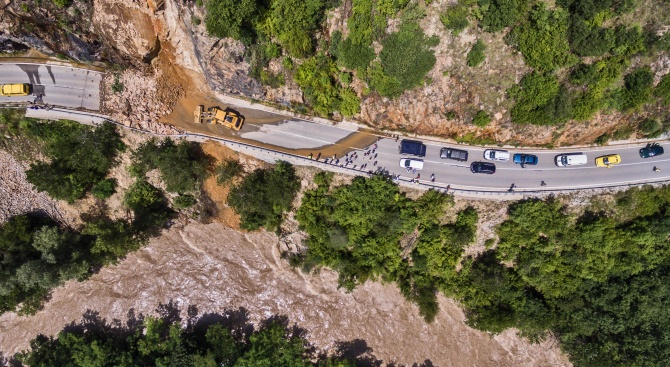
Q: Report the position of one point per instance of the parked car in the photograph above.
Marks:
(571, 159)
(411, 163)
(608, 160)
(14, 90)
(651, 150)
(496, 155)
(524, 159)
(412, 147)
(455, 154)
(483, 167)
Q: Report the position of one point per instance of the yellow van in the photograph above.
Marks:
(14, 90)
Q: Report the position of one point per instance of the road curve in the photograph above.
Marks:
(456, 175)
(59, 85)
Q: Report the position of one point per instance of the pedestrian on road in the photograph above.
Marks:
(375, 146)
(413, 171)
(375, 155)
(656, 169)
(374, 164)
(432, 177)
(310, 155)
(543, 183)
(418, 176)
(318, 156)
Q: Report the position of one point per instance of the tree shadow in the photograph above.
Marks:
(195, 328)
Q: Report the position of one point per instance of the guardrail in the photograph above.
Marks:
(271, 155)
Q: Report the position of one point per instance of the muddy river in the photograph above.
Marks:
(217, 268)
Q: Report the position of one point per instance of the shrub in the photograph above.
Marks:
(543, 39)
(183, 166)
(406, 58)
(317, 78)
(294, 22)
(232, 18)
(228, 170)
(663, 89)
(117, 86)
(355, 56)
(651, 127)
(264, 195)
(637, 88)
(499, 14)
(62, 3)
(455, 18)
(149, 206)
(351, 104)
(540, 100)
(481, 119)
(587, 39)
(104, 189)
(184, 201)
(476, 55)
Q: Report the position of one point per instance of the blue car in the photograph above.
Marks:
(524, 159)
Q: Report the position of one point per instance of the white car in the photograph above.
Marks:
(496, 155)
(411, 163)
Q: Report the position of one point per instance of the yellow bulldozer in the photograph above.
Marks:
(215, 115)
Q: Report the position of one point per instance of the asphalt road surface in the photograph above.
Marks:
(632, 168)
(59, 85)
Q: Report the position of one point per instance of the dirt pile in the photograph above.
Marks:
(140, 100)
(217, 268)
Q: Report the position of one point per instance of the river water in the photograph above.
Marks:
(217, 268)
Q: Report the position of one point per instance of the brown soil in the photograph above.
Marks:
(216, 268)
(219, 193)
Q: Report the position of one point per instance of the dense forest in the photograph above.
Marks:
(585, 56)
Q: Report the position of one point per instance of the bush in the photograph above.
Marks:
(264, 195)
(663, 89)
(587, 39)
(184, 201)
(104, 189)
(317, 77)
(651, 128)
(637, 88)
(406, 58)
(183, 166)
(455, 18)
(476, 55)
(232, 18)
(228, 170)
(481, 119)
(355, 56)
(62, 3)
(149, 206)
(540, 100)
(500, 14)
(543, 39)
(351, 104)
(293, 23)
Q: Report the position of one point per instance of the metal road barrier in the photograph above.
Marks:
(271, 155)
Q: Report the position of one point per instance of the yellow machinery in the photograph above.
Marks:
(215, 115)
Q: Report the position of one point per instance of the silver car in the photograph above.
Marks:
(496, 155)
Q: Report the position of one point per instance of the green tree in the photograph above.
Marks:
(543, 39)
(232, 18)
(264, 195)
(663, 89)
(79, 157)
(294, 22)
(227, 170)
(455, 18)
(476, 55)
(481, 119)
(500, 14)
(183, 166)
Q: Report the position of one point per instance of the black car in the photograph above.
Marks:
(455, 154)
(651, 150)
(412, 147)
(483, 167)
